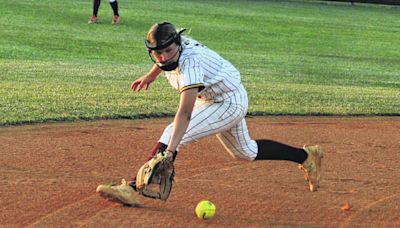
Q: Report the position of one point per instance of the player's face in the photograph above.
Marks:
(166, 55)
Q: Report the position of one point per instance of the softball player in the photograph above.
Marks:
(213, 101)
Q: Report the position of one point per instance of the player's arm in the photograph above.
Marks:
(154, 72)
(182, 117)
(147, 79)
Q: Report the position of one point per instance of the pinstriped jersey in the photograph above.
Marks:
(201, 67)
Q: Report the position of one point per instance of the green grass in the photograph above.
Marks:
(296, 58)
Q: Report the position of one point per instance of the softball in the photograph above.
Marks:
(205, 209)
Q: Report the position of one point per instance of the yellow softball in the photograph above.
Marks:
(205, 209)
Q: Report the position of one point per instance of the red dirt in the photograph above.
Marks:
(49, 174)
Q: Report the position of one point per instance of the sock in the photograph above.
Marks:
(114, 6)
(96, 5)
(271, 150)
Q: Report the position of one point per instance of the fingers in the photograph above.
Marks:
(138, 85)
(134, 85)
(141, 85)
(141, 82)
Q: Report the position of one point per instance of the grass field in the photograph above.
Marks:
(296, 58)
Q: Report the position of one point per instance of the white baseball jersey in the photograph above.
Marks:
(221, 106)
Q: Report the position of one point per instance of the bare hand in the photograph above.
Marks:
(141, 82)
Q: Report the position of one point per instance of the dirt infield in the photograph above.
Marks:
(49, 174)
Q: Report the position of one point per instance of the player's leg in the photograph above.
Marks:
(114, 6)
(272, 150)
(96, 5)
(309, 158)
(238, 143)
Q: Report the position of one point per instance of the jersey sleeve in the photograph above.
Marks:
(191, 75)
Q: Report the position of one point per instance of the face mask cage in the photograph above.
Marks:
(168, 61)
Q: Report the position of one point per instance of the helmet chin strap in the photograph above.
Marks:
(169, 65)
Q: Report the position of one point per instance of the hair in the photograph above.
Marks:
(158, 34)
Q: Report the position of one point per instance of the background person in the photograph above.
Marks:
(96, 6)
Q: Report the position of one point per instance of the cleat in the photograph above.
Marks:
(304, 171)
(115, 19)
(92, 20)
(312, 166)
(123, 194)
